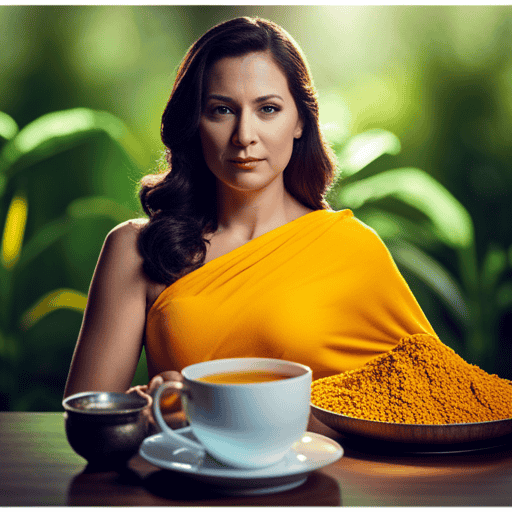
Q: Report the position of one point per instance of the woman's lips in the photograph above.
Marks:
(245, 164)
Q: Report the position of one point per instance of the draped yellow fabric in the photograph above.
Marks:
(322, 290)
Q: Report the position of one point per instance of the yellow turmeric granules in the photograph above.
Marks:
(420, 381)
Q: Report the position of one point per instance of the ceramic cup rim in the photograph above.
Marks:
(194, 372)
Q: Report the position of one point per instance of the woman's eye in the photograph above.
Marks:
(269, 109)
(221, 110)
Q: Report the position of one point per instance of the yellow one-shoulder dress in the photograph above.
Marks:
(322, 290)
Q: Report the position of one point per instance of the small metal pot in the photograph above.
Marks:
(105, 428)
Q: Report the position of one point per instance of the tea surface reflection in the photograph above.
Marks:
(243, 377)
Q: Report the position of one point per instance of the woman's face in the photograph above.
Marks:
(249, 122)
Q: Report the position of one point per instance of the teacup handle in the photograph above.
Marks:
(180, 388)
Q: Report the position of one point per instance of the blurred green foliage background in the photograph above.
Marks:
(416, 100)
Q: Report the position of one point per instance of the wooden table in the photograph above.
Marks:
(38, 467)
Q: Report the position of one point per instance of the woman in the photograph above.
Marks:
(241, 256)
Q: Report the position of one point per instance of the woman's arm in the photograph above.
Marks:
(112, 333)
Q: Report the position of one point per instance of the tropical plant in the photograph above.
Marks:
(417, 217)
(43, 138)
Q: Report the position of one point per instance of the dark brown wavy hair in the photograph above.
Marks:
(181, 200)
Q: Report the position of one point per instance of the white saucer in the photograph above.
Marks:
(312, 452)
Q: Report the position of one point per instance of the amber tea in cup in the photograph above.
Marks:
(246, 377)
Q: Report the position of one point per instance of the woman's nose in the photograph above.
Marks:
(245, 131)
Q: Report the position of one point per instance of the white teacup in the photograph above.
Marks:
(243, 425)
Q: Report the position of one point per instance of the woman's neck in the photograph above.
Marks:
(247, 215)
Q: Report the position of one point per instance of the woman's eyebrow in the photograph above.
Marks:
(227, 99)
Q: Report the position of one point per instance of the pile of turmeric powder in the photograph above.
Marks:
(420, 381)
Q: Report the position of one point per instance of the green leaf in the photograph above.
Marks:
(434, 275)
(62, 298)
(8, 126)
(85, 207)
(451, 222)
(95, 206)
(57, 131)
(390, 226)
(493, 266)
(45, 236)
(363, 149)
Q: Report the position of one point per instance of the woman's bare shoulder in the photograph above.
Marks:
(128, 229)
(121, 243)
(120, 247)
(125, 235)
